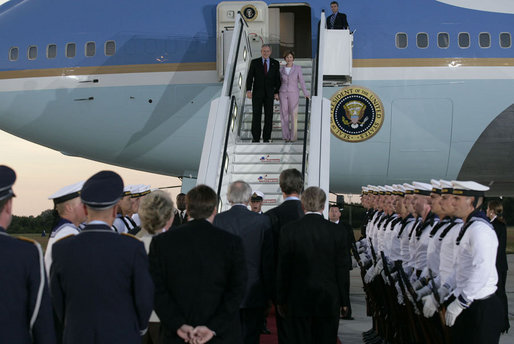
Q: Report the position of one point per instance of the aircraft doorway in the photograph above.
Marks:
(290, 29)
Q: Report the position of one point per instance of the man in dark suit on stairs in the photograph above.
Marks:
(262, 85)
(255, 231)
(312, 272)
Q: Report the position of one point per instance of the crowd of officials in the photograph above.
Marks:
(173, 275)
(433, 263)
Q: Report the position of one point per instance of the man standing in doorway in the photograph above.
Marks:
(262, 85)
(336, 21)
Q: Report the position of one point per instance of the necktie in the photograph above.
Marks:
(182, 215)
(265, 67)
(332, 21)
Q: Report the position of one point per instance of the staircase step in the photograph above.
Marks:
(269, 148)
(269, 168)
(257, 179)
(276, 125)
(261, 159)
(247, 117)
(276, 134)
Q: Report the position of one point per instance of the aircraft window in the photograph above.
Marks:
(401, 40)
(443, 40)
(110, 48)
(422, 40)
(71, 50)
(484, 39)
(464, 40)
(505, 40)
(90, 49)
(51, 51)
(13, 54)
(32, 52)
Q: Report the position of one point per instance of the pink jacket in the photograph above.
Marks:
(290, 82)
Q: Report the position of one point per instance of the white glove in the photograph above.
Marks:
(399, 295)
(443, 292)
(452, 312)
(354, 263)
(423, 292)
(370, 275)
(430, 305)
(379, 267)
(394, 276)
(417, 285)
(384, 277)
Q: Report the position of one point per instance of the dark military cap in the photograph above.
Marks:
(103, 190)
(7, 179)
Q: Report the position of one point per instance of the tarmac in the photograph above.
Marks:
(350, 331)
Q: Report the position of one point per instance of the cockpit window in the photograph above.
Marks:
(13, 54)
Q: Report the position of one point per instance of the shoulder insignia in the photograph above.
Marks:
(131, 236)
(64, 237)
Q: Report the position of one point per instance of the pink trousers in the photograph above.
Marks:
(289, 114)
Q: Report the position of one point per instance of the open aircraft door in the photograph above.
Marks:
(256, 15)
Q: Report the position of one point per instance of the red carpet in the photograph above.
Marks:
(272, 326)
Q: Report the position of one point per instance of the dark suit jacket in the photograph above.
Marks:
(200, 275)
(177, 221)
(501, 255)
(312, 267)
(21, 281)
(280, 216)
(261, 85)
(340, 24)
(101, 288)
(255, 231)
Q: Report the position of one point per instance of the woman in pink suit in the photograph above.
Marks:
(289, 94)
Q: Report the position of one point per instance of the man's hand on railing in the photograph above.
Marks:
(249, 94)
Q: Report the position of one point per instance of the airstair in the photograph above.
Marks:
(228, 153)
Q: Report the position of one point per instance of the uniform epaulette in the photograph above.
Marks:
(64, 237)
(130, 235)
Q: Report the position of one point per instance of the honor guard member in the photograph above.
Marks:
(26, 309)
(475, 313)
(136, 198)
(69, 208)
(120, 224)
(101, 287)
(256, 201)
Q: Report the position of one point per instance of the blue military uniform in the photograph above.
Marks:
(25, 307)
(101, 286)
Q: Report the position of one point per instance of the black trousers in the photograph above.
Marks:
(479, 324)
(313, 330)
(283, 331)
(251, 324)
(257, 103)
(502, 279)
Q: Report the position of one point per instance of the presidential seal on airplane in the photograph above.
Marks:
(356, 114)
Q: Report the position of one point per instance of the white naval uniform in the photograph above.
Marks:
(404, 239)
(420, 256)
(395, 242)
(65, 229)
(447, 255)
(476, 275)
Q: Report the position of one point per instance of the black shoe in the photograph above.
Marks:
(348, 317)
(265, 141)
(255, 141)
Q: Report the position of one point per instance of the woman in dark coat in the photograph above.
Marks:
(495, 213)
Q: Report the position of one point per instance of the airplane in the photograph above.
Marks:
(131, 83)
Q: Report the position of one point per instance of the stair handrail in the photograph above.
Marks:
(225, 109)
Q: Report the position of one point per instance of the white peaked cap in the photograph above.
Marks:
(66, 193)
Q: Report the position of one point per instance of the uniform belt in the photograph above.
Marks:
(485, 298)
